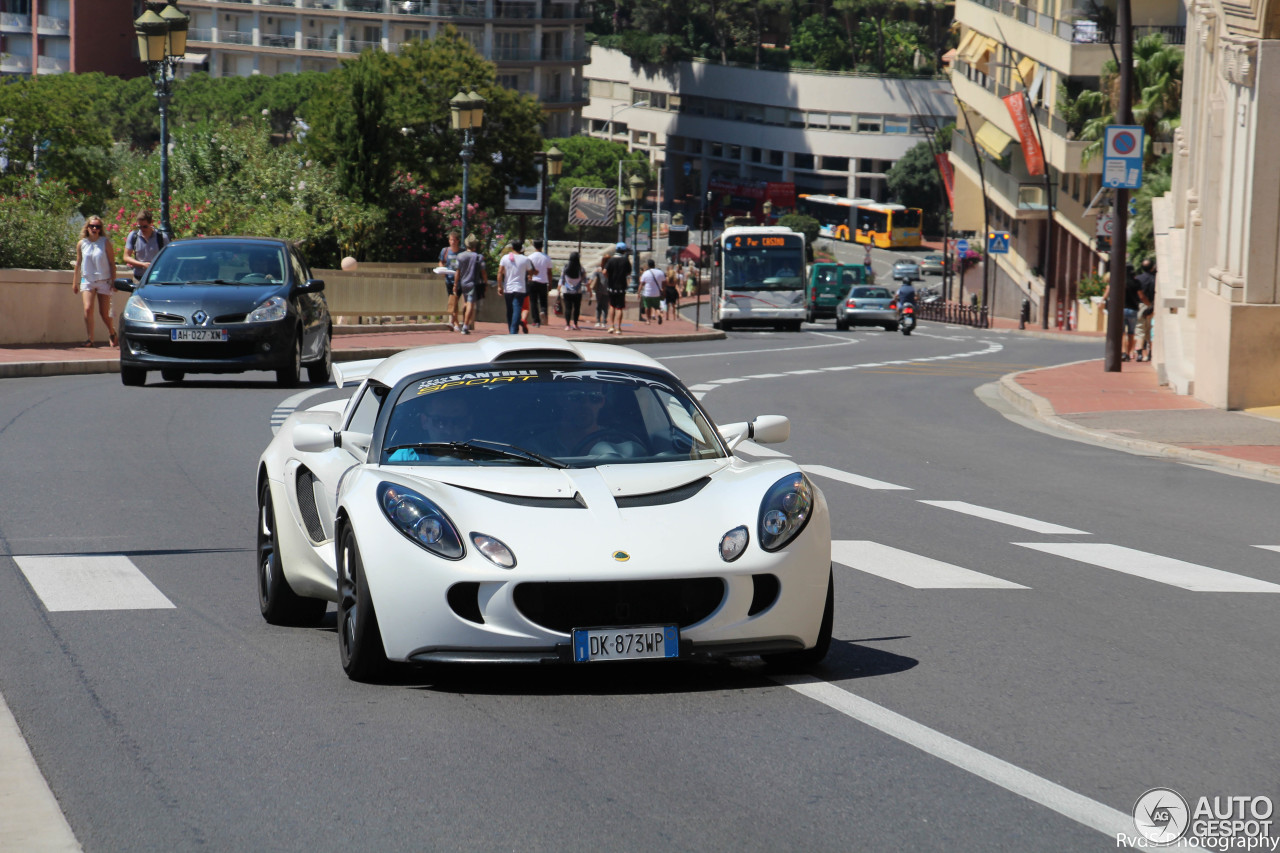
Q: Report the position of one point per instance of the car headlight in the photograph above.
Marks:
(421, 520)
(275, 308)
(496, 552)
(785, 511)
(734, 543)
(138, 311)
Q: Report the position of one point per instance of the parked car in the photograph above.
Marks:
(868, 305)
(226, 305)
(933, 265)
(828, 284)
(906, 270)
(429, 507)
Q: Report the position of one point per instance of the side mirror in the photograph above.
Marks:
(125, 284)
(771, 429)
(312, 285)
(314, 438)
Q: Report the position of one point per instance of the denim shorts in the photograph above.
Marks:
(1130, 320)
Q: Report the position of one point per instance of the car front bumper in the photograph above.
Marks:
(249, 346)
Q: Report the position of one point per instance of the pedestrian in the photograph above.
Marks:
(652, 283)
(470, 282)
(598, 291)
(618, 273)
(514, 270)
(95, 264)
(671, 295)
(1147, 296)
(539, 284)
(570, 287)
(692, 286)
(1131, 305)
(866, 261)
(449, 261)
(143, 244)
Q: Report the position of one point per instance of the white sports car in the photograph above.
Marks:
(529, 499)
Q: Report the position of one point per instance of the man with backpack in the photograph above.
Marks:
(142, 245)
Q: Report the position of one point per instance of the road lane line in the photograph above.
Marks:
(1009, 518)
(30, 818)
(908, 569)
(73, 582)
(750, 448)
(1153, 567)
(851, 479)
(1012, 778)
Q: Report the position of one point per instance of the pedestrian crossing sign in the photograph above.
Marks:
(998, 242)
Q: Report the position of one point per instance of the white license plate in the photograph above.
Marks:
(198, 335)
(653, 641)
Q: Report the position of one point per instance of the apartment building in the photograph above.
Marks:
(538, 46)
(57, 36)
(827, 133)
(1035, 47)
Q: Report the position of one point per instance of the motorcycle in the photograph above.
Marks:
(906, 318)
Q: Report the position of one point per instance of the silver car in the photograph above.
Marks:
(908, 270)
(933, 265)
(868, 305)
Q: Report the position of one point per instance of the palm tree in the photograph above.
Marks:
(1157, 75)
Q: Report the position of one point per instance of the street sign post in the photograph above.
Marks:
(1122, 156)
(962, 247)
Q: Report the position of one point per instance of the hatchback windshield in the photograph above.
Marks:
(558, 418)
(223, 263)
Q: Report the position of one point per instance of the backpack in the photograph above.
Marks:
(131, 243)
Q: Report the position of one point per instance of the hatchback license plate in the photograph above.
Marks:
(198, 335)
(653, 641)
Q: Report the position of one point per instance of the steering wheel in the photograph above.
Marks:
(611, 436)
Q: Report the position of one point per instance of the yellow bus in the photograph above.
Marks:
(888, 226)
(835, 214)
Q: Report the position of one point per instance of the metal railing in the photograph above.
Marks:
(324, 43)
(15, 62)
(277, 39)
(53, 63)
(955, 314)
(46, 24)
(357, 46)
(13, 21)
(1080, 31)
(234, 37)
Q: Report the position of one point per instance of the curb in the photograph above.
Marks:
(1038, 408)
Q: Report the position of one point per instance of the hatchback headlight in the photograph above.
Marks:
(138, 311)
(275, 308)
(421, 520)
(785, 511)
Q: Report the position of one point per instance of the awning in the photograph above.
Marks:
(1026, 71)
(966, 44)
(982, 53)
(994, 140)
(195, 58)
(691, 252)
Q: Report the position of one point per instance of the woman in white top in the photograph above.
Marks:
(95, 265)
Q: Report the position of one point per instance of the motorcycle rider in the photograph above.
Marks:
(906, 293)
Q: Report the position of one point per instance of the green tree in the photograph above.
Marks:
(1157, 77)
(36, 220)
(819, 41)
(806, 225)
(914, 181)
(592, 163)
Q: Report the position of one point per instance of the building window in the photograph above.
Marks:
(600, 89)
(775, 158)
(866, 165)
(735, 152)
(754, 113)
(675, 143)
(717, 150)
(804, 161)
(695, 146)
(841, 121)
(818, 121)
(869, 124)
(896, 124)
(417, 35)
(835, 164)
(755, 155)
(795, 118)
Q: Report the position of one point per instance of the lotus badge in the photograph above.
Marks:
(621, 556)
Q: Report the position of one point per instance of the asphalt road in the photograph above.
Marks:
(1024, 640)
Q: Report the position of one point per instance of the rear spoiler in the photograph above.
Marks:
(353, 372)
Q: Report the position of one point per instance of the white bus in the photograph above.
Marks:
(837, 215)
(759, 278)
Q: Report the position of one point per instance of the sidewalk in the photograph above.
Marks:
(1126, 409)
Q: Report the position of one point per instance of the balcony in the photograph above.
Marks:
(357, 46)
(320, 43)
(52, 65)
(13, 23)
(200, 34)
(1026, 200)
(572, 96)
(515, 11)
(277, 39)
(15, 63)
(49, 26)
(235, 37)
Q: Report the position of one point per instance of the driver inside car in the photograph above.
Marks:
(441, 417)
(581, 432)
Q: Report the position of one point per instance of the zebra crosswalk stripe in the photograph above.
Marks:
(910, 569)
(1153, 567)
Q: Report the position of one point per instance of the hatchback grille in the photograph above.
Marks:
(563, 606)
(217, 350)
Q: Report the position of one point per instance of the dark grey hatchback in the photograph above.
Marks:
(226, 305)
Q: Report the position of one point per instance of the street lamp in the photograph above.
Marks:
(613, 112)
(636, 188)
(162, 42)
(468, 113)
(553, 161)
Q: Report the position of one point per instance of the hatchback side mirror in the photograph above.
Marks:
(312, 285)
(125, 284)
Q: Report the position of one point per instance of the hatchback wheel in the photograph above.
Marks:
(318, 371)
(287, 376)
(133, 376)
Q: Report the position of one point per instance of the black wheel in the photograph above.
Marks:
(359, 640)
(891, 327)
(287, 376)
(133, 376)
(173, 375)
(725, 325)
(279, 604)
(809, 315)
(318, 371)
(795, 325)
(806, 658)
(842, 326)
(906, 330)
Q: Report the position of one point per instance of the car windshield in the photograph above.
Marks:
(218, 263)
(870, 293)
(546, 417)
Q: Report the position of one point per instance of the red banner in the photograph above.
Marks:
(1031, 152)
(948, 178)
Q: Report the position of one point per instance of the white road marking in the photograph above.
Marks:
(704, 387)
(842, 343)
(30, 817)
(752, 449)
(1012, 778)
(289, 405)
(1153, 567)
(851, 479)
(1268, 547)
(840, 338)
(910, 569)
(73, 582)
(1032, 524)
(766, 376)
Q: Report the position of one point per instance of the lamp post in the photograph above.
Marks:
(162, 41)
(467, 110)
(636, 188)
(552, 163)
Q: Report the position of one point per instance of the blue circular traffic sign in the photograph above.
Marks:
(1124, 142)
